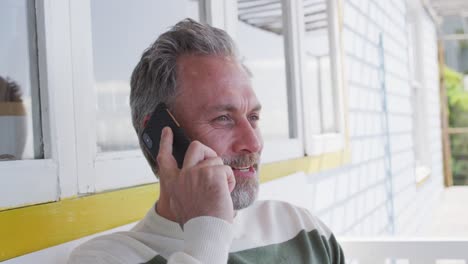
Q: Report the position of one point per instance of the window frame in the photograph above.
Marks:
(422, 167)
(317, 142)
(307, 140)
(48, 179)
(275, 150)
(102, 171)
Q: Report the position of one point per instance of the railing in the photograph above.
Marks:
(408, 251)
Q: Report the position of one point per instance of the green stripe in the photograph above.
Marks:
(157, 260)
(305, 247)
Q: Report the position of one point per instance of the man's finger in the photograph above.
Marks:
(231, 179)
(197, 152)
(216, 161)
(165, 159)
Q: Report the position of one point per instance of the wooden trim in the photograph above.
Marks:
(448, 177)
(457, 130)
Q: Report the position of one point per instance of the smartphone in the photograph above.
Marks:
(151, 135)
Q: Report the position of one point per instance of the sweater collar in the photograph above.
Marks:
(162, 226)
(165, 227)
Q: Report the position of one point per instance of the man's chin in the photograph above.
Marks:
(245, 192)
(239, 205)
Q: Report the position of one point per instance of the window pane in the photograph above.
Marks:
(456, 55)
(20, 127)
(122, 30)
(459, 151)
(318, 68)
(261, 43)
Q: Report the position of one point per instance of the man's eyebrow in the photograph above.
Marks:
(257, 108)
(231, 108)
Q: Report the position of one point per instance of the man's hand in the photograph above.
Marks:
(202, 187)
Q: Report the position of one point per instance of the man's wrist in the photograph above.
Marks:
(208, 239)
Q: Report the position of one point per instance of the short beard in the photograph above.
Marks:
(246, 189)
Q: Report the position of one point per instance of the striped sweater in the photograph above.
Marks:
(266, 232)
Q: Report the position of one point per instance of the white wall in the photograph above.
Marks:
(367, 197)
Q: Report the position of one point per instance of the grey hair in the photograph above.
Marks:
(154, 79)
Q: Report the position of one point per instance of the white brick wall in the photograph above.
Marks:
(360, 198)
(369, 197)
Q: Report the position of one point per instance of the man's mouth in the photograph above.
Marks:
(243, 169)
(243, 166)
(248, 171)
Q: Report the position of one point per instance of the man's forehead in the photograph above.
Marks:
(212, 76)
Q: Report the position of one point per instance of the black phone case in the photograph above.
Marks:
(151, 134)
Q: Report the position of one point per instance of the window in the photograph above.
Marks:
(293, 49)
(258, 25)
(110, 38)
(420, 116)
(117, 47)
(30, 158)
(262, 34)
(322, 77)
(20, 121)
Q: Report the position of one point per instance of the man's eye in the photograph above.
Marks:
(222, 118)
(254, 118)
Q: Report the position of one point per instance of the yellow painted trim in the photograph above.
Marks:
(28, 229)
(308, 165)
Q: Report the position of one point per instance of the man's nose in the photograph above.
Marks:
(248, 138)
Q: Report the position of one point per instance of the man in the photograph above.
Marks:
(206, 211)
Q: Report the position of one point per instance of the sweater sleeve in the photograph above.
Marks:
(207, 240)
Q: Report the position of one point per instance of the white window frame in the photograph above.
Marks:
(316, 141)
(422, 155)
(97, 171)
(276, 149)
(100, 171)
(43, 180)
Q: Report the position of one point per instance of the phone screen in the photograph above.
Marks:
(151, 135)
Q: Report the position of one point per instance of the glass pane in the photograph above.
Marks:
(318, 68)
(456, 85)
(456, 55)
(20, 126)
(260, 24)
(453, 25)
(122, 30)
(459, 150)
(327, 96)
